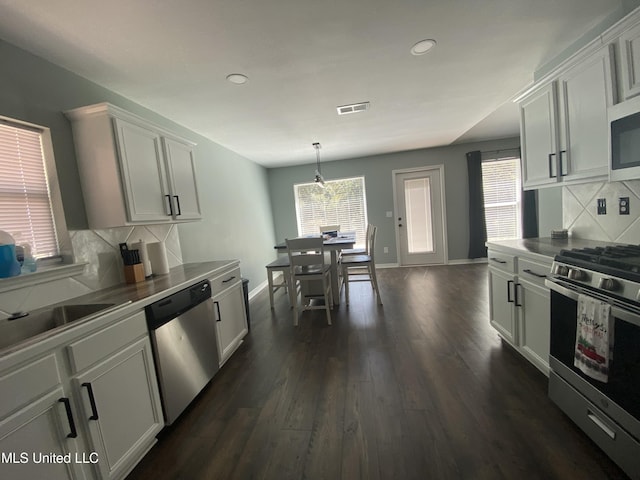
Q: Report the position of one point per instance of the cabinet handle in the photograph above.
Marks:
(217, 304)
(515, 291)
(562, 153)
(170, 214)
(178, 205)
(497, 260)
(551, 175)
(92, 401)
(72, 425)
(531, 272)
(509, 283)
(229, 279)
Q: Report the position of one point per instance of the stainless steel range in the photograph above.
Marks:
(595, 347)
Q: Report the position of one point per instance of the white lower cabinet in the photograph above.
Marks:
(37, 434)
(534, 323)
(229, 308)
(120, 407)
(502, 311)
(519, 304)
(89, 408)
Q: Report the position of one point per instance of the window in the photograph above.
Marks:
(341, 202)
(26, 207)
(502, 198)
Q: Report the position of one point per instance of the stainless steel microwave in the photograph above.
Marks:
(624, 140)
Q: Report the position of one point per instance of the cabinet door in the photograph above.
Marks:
(231, 320)
(182, 177)
(121, 406)
(501, 305)
(538, 136)
(143, 173)
(534, 319)
(586, 91)
(629, 44)
(42, 428)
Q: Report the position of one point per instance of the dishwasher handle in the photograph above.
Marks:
(172, 306)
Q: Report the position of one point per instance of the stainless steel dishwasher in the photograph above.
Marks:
(183, 335)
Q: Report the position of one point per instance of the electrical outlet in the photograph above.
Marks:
(624, 206)
(386, 249)
(389, 214)
(602, 206)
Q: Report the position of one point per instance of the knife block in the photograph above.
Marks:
(134, 273)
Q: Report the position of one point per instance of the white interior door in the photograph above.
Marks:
(419, 202)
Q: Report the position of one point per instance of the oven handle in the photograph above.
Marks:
(627, 314)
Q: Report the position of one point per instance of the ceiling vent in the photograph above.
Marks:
(353, 108)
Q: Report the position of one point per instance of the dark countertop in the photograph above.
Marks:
(545, 247)
(124, 298)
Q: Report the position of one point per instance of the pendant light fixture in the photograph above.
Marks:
(319, 179)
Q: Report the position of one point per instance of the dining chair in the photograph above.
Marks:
(281, 264)
(361, 250)
(308, 264)
(361, 267)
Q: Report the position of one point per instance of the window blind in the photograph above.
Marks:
(502, 197)
(25, 202)
(342, 202)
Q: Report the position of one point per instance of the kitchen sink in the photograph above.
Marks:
(20, 327)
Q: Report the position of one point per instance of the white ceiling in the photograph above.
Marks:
(306, 57)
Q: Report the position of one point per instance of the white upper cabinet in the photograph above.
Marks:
(132, 172)
(586, 91)
(143, 172)
(182, 179)
(564, 126)
(538, 137)
(629, 62)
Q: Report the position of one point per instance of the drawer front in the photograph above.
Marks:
(616, 442)
(99, 345)
(502, 261)
(533, 272)
(224, 281)
(26, 384)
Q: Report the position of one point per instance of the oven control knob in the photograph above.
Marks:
(576, 274)
(608, 284)
(561, 270)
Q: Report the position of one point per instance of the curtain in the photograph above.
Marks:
(530, 214)
(477, 225)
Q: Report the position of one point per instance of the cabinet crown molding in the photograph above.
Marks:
(103, 108)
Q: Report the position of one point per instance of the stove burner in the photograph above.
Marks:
(620, 260)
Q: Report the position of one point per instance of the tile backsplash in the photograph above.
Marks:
(580, 215)
(99, 248)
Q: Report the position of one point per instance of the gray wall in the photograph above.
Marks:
(234, 191)
(377, 172)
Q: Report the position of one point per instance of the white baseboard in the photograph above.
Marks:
(258, 289)
(465, 261)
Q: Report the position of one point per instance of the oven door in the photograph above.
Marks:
(620, 396)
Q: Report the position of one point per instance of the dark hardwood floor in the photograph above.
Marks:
(420, 388)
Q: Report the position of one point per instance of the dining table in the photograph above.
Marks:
(333, 245)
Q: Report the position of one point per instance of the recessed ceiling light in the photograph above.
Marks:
(423, 46)
(237, 78)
